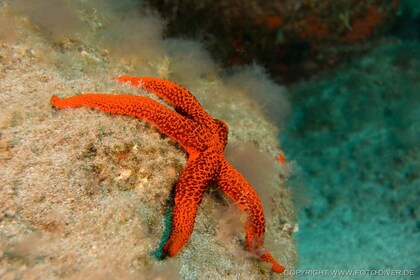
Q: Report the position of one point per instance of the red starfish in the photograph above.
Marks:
(204, 139)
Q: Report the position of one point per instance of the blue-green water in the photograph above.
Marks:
(355, 136)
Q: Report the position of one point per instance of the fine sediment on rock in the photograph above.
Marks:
(85, 194)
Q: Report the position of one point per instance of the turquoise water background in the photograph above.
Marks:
(354, 136)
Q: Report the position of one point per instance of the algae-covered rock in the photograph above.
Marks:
(85, 194)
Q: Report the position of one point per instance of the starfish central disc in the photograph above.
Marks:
(204, 139)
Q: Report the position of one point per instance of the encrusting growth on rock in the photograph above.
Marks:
(204, 139)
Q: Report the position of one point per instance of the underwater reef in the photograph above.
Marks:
(293, 39)
(333, 154)
(84, 194)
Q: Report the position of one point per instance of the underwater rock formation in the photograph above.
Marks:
(87, 195)
(292, 38)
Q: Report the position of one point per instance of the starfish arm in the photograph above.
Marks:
(235, 186)
(168, 122)
(177, 96)
(187, 198)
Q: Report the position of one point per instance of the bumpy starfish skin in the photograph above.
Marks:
(204, 139)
